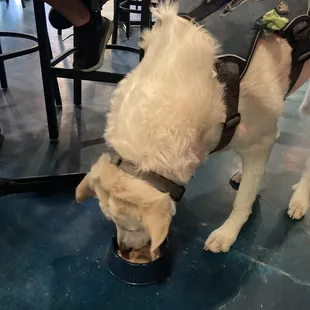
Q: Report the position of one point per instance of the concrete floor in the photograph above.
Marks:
(52, 249)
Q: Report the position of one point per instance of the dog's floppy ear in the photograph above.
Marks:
(156, 218)
(122, 185)
(84, 189)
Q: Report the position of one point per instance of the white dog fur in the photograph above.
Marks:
(166, 117)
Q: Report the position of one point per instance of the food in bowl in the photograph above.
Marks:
(141, 256)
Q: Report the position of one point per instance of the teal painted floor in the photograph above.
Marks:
(52, 249)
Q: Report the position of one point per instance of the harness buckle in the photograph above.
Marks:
(232, 122)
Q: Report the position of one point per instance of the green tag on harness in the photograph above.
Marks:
(271, 22)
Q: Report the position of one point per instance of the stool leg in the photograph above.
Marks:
(77, 91)
(146, 19)
(56, 92)
(3, 79)
(77, 84)
(115, 21)
(128, 22)
(44, 52)
(146, 16)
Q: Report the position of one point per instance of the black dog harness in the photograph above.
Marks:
(236, 25)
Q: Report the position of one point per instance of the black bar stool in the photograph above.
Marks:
(122, 10)
(50, 73)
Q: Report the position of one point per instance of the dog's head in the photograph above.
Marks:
(141, 213)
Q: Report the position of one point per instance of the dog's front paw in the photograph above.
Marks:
(297, 208)
(299, 203)
(220, 240)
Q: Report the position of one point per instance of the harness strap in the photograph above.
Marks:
(297, 33)
(229, 69)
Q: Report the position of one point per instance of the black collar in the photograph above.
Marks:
(176, 191)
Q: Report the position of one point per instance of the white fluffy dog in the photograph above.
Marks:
(166, 117)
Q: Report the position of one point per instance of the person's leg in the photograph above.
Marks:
(73, 10)
(91, 30)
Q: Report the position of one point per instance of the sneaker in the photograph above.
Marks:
(90, 41)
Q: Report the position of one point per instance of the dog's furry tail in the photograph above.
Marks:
(166, 10)
(304, 109)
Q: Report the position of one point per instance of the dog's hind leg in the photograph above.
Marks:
(299, 203)
(254, 163)
(304, 109)
(235, 180)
